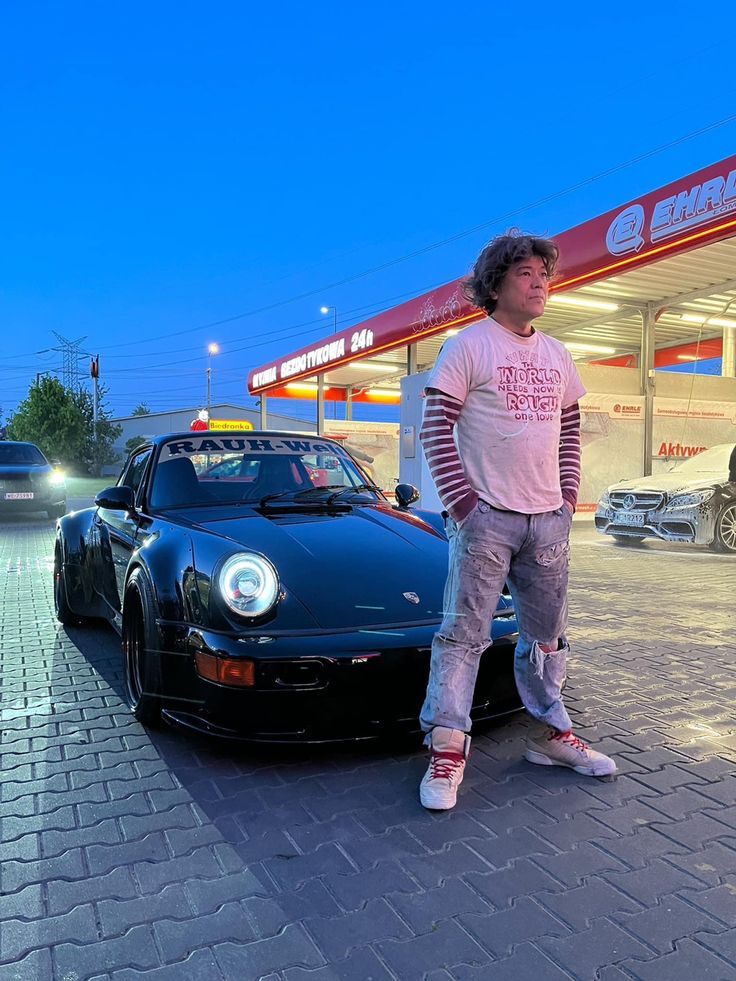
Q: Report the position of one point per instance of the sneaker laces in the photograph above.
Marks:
(569, 739)
(443, 766)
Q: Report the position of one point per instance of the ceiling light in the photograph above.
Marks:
(687, 357)
(582, 301)
(700, 318)
(384, 391)
(375, 365)
(589, 348)
(304, 386)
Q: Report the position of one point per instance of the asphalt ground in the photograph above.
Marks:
(132, 854)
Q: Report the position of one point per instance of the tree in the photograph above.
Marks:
(133, 443)
(60, 421)
(141, 410)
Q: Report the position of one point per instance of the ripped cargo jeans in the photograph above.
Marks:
(491, 547)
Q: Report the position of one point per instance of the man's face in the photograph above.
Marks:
(523, 292)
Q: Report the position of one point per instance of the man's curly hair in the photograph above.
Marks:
(497, 258)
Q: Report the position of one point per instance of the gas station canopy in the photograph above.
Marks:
(648, 284)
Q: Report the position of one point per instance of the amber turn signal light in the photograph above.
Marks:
(238, 673)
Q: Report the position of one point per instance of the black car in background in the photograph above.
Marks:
(28, 482)
(266, 589)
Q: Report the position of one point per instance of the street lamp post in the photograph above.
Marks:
(325, 310)
(211, 349)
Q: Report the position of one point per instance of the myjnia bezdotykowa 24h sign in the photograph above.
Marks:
(688, 209)
(692, 211)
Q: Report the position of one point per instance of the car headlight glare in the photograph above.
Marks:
(690, 500)
(249, 584)
(56, 478)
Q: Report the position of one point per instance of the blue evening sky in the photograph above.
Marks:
(166, 166)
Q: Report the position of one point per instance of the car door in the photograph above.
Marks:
(118, 529)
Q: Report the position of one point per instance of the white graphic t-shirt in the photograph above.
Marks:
(513, 390)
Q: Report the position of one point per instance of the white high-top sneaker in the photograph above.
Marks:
(448, 753)
(565, 749)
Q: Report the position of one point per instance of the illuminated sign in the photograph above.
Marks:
(678, 212)
(230, 425)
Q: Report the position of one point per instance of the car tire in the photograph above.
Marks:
(628, 539)
(141, 664)
(64, 613)
(725, 536)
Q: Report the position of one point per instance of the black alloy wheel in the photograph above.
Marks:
(141, 664)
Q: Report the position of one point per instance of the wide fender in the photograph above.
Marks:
(166, 556)
(79, 546)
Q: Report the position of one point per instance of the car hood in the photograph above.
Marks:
(669, 483)
(349, 568)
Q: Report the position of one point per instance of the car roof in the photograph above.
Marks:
(18, 442)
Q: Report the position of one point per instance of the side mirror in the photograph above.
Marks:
(119, 498)
(406, 494)
(55, 463)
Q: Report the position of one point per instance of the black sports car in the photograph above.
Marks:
(28, 482)
(264, 590)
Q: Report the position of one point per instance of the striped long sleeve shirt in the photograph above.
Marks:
(441, 413)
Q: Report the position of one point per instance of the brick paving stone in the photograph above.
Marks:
(719, 901)
(268, 915)
(199, 966)
(445, 946)
(291, 948)
(596, 898)
(337, 935)
(421, 910)
(77, 960)
(206, 895)
(353, 891)
(583, 954)
(62, 896)
(36, 966)
(711, 864)
(522, 878)
(20, 937)
(362, 965)
(500, 931)
(432, 870)
(671, 920)
(526, 963)
(689, 960)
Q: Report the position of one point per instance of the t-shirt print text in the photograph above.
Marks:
(533, 391)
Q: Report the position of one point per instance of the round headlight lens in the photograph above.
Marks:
(249, 584)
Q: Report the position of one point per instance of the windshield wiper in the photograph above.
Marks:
(355, 489)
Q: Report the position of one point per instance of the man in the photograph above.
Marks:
(501, 433)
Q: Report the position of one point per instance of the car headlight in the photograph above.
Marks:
(249, 584)
(605, 500)
(56, 478)
(689, 500)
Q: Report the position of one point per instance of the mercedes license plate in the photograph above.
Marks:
(630, 517)
(19, 496)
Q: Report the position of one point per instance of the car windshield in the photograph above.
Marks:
(23, 454)
(714, 460)
(255, 469)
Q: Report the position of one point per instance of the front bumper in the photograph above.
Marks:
(321, 687)
(694, 524)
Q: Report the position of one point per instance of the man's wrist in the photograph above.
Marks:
(463, 507)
